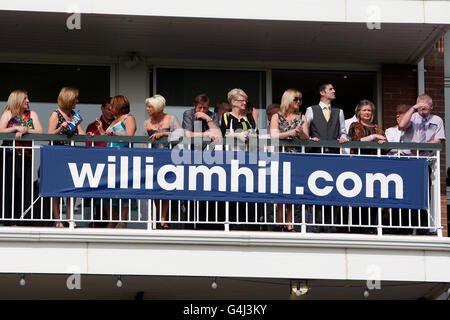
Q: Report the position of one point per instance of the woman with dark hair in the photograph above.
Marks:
(365, 129)
(17, 117)
(58, 123)
(123, 125)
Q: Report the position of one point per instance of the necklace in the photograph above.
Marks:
(157, 122)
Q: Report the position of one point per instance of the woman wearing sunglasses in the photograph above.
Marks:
(289, 124)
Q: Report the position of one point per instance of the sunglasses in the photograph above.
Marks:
(297, 99)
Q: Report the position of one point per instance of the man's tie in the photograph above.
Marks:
(327, 113)
(423, 131)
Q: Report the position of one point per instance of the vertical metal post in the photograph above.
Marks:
(436, 181)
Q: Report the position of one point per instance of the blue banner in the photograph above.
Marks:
(139, 173)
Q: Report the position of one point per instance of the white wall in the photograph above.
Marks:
(133, 82)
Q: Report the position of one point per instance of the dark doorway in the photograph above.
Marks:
(180, 86)
(44, 81)
(350, 87)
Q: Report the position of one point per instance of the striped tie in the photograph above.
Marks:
(327, 114)
(423, 131)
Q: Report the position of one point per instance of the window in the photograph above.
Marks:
(351, 87)
(44, 81)
(181, 86)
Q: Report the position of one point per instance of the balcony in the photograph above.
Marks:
(221, 238)
(191, 214)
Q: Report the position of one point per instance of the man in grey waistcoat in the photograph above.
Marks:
(325, 122)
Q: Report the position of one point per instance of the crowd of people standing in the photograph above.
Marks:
(236, 118)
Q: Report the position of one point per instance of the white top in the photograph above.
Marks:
(394, 134)
(349, 122)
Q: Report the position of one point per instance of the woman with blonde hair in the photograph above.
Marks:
(365, 129)
(239, 122)
(160, 125)
(58, 123)
(17, 117)
(289, 124)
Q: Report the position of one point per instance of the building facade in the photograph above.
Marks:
(385, 51)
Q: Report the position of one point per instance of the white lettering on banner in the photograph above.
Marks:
(207, 176)
(320, 182)
(384, 184)
(86, 170)
(111, 172)
(124, 172)
(356, 181)
(274, 177)
(262, 173)
(348, 175)
(236, 172)
(313, 186)
(286, 177)
(178, 184)
(148, 173)
(136, 173)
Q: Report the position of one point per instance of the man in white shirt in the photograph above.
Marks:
(348, 122)
(326, 122)
(395, 134)
(425, 127)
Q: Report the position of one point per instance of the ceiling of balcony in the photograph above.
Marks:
(94, 287)
(216, 39)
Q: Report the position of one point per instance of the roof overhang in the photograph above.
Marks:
(343, 40)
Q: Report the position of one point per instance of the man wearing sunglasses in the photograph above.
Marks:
(326, 122)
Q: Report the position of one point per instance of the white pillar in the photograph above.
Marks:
(133, 82)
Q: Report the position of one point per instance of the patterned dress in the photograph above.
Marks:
(27, 121)
(61, 120)
(284, 125)
(357, 131)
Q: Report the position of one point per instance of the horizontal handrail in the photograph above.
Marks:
(188, 141)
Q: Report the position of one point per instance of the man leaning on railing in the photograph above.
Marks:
(423, 126)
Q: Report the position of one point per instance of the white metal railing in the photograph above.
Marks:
(21, 203)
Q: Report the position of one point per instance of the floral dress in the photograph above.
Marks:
(284, 125)
(61, 120)
(27, 121)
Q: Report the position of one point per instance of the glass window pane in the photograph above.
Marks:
(180, 86)
(43, 81)
(351, 87)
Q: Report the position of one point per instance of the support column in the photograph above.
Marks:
(133, 82)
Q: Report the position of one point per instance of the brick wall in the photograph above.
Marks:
(399, 85)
